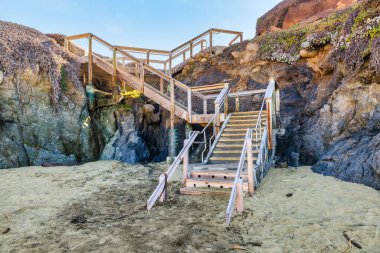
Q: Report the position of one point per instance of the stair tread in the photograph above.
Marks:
(232, 151)
(204, 191)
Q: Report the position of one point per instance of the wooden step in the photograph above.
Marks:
(232, 159)
(242, 125)
(244, 121)
(217, 174)
(212, 183)
(247, 113)
(204, 191)
(231, 151)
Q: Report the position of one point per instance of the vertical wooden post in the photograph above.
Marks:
(184, 56)
(210, 41)
(269, 121)
(137, 71)
(142, 72)
(161, 85)
(217, 118)
(90, 59)
(189, 106)
(148, 57)
(84, 78)
(185, 163)
(170, 63)
(237, 104)
(226, 102)
(239, 196)
(172, 104)
(163, 194)
(241, 37)
(205, 106)
(66, 44)
(202, 46)
(165, 67)
(114, 64)
(191, 49)
(251, 186)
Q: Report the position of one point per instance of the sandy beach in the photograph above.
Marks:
(100, 207)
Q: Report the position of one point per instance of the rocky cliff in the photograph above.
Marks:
(44, 116)
(329, 76)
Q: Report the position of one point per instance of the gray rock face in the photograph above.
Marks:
(355, 159)
(32, 132)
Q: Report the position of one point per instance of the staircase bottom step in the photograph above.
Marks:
(204, 191)
(212, 183)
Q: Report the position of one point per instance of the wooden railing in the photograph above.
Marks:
(266, 150)
(171, 61)
(160, 191)
(189, 103)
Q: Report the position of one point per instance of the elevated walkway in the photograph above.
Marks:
(152, 77)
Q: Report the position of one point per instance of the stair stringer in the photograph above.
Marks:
(217, 138)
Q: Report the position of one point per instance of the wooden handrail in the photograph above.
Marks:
(144, 50)
(161, 187)
(235, 190)
(78, 36)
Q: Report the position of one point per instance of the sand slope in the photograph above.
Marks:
(100, 207)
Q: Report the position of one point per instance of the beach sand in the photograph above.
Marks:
(100, 207)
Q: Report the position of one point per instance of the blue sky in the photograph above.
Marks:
(161, 24)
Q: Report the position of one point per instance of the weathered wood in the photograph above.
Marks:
(78, 36)
(209, 87)
(189, 106)
(163, 180)
(251, 186)
(161, 84)
(204, 106)
(144, 50)
(105, 43)
(237, 104)
(269, 121)
(148, 57)
(142, 77)
(239, 196)
(211, 42)
(172, 104)
(89, 59)
(233, 40)
(185, 165)
(191, 49)
(114, 64)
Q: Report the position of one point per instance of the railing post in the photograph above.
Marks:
(66, 44)
(239, 196)
(161, 85)
(237, 104)
(251, 186)
(202, 46)
(185, 163)
(148, 57)
(241, 37)
(211, 41)
(205, 106)
(170, 63)
(269, 121)
(90, 59)
(114, 64)
(184, 56)
(163, 194)
(189, 106)
(172, 104)
(191, 49)
(141, 68)
(217, 118)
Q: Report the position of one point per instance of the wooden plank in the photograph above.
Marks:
(239, 196)
(208, 87)
(187, 42)
(185, 165)
(172, 103)
(105, 43)
(269, 122)
(90, 59)
(189, 106)
(144, 50)
(251, 187)
(211, 45)
(233, 40)
(78, 36)
(226, 31)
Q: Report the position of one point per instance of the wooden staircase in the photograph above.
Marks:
(219, 171)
